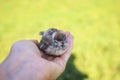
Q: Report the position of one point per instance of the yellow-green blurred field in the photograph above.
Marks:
(95, 25)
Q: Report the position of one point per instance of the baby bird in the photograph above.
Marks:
(53, 42)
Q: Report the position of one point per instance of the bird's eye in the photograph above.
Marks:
(50, 32)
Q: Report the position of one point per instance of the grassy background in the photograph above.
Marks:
(95, 25)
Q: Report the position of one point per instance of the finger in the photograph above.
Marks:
(62, 60)
(66, 56)
(34, 41)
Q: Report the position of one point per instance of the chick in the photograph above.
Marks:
(53, 42)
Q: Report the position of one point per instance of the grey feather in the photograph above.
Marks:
(53, 42)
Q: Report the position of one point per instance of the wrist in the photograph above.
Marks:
(6, 73)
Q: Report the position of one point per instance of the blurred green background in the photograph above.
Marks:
(95, 25)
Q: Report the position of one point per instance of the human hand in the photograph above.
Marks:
(27, 62)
